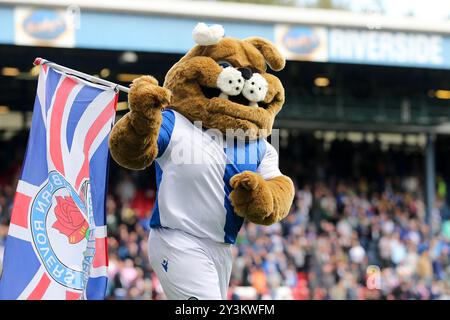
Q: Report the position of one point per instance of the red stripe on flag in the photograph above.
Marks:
(55, 123)
(72, 295)
(40, 289)
(102, 119)
(101, 253)
(44, 67)
(19, 215)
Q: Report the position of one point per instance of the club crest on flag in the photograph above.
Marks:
(59, 216)
(57, 246)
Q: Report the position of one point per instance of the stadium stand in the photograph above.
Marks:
(356, 205)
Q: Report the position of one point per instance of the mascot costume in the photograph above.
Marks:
(205, 129)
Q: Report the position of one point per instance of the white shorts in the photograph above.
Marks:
(189, 267)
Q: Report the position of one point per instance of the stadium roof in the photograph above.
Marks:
(166, 26)
(373, 101)
(251, 13)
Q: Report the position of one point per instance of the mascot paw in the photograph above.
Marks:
(251, 198)
(146, 94)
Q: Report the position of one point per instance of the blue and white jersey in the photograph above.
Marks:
(193, 172)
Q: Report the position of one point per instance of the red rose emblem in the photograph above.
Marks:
(69, 220)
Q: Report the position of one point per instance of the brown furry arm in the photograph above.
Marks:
(133, 139)
(261, 201)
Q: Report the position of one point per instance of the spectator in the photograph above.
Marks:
(345, 217)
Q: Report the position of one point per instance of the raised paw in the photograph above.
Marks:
(146, 94)
(247, 180)
(251, 198)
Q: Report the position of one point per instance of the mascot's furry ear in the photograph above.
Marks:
(273, 57)
(207, 35)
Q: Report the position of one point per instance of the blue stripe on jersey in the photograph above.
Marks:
(241, 157)
(165, 133)
(155, 221)
(168, 122)
(24, 263)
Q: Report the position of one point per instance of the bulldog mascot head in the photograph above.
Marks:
(223, 83)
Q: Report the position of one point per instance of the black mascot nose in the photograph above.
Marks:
(246, 73)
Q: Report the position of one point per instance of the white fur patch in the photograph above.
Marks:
(207, 35)
(230, 81)
(255, 88)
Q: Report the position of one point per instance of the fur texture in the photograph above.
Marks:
(261, 201)
(133, 140)
(199, 70)
(207, 35)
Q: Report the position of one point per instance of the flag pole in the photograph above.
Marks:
(41, 61)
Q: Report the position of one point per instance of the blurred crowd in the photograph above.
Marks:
(356, 229)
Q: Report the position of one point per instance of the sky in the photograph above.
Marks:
(424, 9)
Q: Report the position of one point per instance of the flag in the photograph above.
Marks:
(56, 246)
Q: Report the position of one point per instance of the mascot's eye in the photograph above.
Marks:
(224, 64)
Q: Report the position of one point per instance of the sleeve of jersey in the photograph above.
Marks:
(165, 132)
(268, 167)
